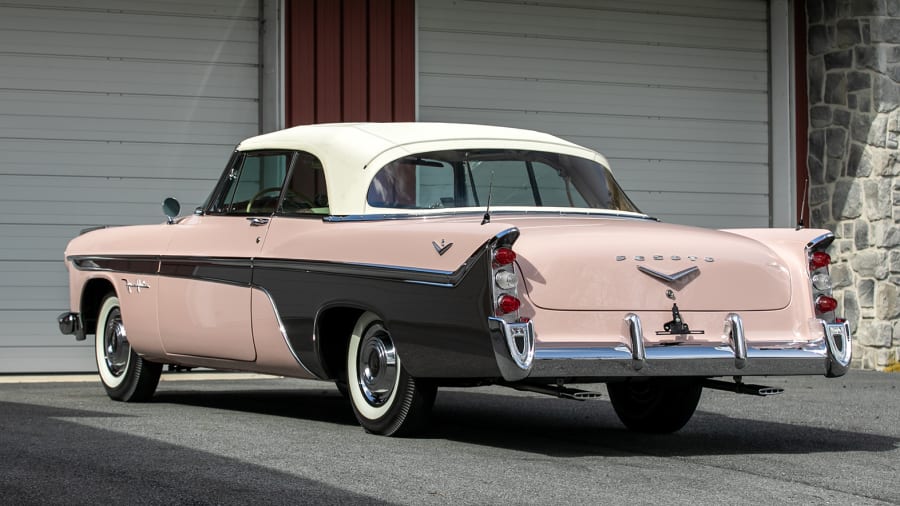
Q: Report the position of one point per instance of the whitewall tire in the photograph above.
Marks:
(125, 375)
(385, 398)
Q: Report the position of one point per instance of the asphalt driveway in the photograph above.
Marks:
(281, 441)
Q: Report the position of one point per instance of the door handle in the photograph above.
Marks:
(258, 222)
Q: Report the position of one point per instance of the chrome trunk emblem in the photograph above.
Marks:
(670, 278)
(444, 246)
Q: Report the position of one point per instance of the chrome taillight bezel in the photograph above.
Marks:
(506, 270)
(819, 276)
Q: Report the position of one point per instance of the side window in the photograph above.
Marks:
(306, 191)
(253, 184)
(413, 183)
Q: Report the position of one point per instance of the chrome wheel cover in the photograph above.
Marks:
(377, 366)
(116, 349)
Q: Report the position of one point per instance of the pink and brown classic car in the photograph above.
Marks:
(393, 259)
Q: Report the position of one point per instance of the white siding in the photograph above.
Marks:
(106, 108)
(675, 94)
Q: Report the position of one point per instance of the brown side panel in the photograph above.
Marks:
(355, 60)
(404, 80)
(349, 60)
(380, 71)
(328, 62)
(300, 60)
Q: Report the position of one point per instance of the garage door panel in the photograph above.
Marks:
(86, 45)
(728, 9)
(117, 130)
(577, 98)
(587, 52)
(628, 127)
(612, 25)
(573, 70)
(204, 8)
(128, 77)
(674, 94)
(27, 249)
(146, 26)
(176, 162)
(47, 355)
(106, 108)
(732, 209)
(641, 174)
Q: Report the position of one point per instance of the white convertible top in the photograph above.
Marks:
(351, 153)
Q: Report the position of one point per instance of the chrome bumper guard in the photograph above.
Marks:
(517, 358)
(70, 325)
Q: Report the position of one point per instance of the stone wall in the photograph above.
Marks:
(853, 69)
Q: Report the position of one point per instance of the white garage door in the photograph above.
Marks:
(107, 107)
(674, 93)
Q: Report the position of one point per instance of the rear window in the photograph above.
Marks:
(466, 178)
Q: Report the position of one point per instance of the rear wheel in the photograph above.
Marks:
(126, 376)
(385, 398)
(659, 406)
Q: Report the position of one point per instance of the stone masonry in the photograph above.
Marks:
(853, 69)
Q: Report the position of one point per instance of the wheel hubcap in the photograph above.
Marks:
(115, 344)
(377, 366)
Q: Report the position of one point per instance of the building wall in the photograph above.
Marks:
(349, 60)
(854, 165)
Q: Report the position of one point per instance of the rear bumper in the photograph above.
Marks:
(70, 325)
(828, 356)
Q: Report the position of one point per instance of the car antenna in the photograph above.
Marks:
(803, 203)
(487, 210)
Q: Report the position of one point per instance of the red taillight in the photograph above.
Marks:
(504, 256)
(507, 304)
(818, 260)
(825, 304)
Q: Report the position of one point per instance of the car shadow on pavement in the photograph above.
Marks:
(52, 457)
(561, 428)
(553, 427)
(325, 405)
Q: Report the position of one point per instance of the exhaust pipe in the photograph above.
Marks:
(740, 387)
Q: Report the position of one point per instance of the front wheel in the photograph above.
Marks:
(658, 406)
(126, 376)
(385, 398)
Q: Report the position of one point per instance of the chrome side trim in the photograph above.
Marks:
(594, 213)
(287, 342)
(636, 331)
(735, 329)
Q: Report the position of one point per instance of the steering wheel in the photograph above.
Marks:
(295, 197)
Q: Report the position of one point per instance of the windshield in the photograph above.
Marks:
(465, 178)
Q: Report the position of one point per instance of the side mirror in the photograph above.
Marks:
(171, 208)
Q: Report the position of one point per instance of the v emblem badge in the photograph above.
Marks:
(444, 246)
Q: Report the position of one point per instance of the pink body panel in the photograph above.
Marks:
(575, 288)
(205, 319)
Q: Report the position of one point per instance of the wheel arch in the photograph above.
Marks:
(91, 297)
(333, 327)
